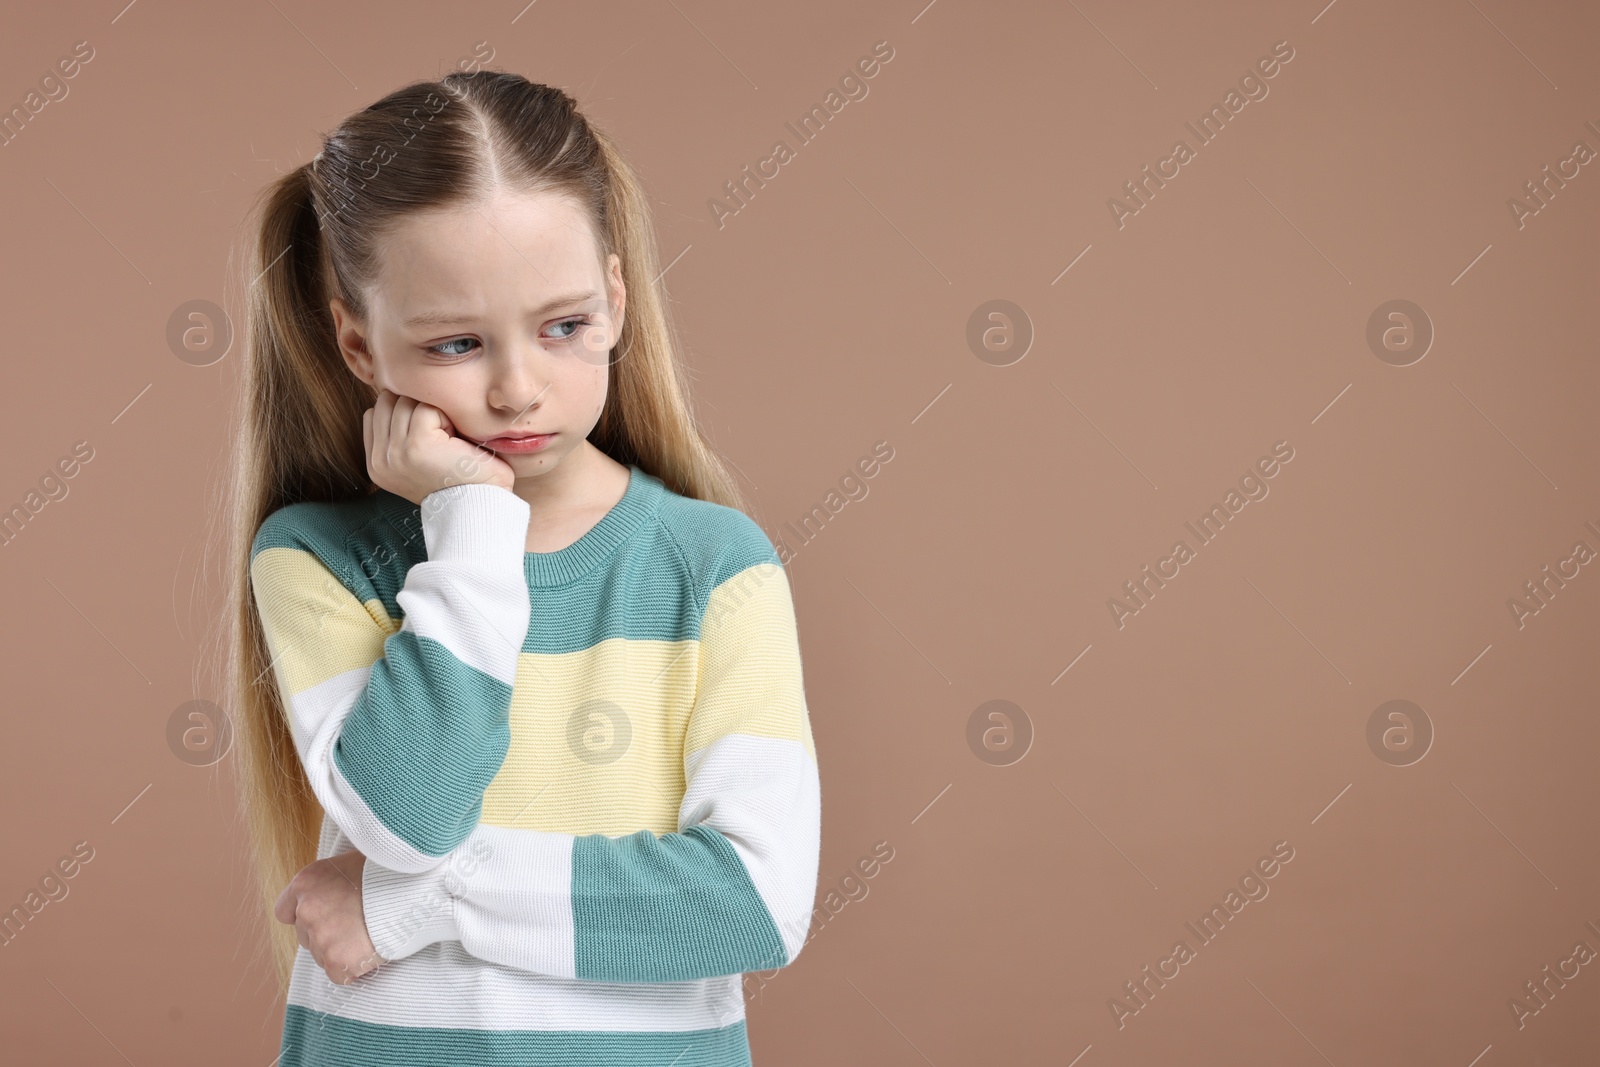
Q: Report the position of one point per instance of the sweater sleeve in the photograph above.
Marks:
(730, 891)
(400, 730)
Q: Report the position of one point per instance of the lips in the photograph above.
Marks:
(518, 443)
(520, 435)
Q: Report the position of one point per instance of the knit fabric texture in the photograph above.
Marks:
(584, 781)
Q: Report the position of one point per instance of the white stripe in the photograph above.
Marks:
(515, 907)
(471, 593)
(764, 796)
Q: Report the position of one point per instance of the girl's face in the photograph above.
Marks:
(501, 316)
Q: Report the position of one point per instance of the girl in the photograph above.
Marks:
(526, 754)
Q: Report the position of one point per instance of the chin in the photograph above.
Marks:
(534, 460)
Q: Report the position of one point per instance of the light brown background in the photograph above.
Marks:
(830, 314)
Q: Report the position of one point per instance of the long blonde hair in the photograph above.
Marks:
(299, 409)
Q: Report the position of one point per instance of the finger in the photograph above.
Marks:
(378, 437)
(338, 970)
(397, 425)
(283, 910)
(350, 972)
(404, 408)
(383, 412)
(428, 417)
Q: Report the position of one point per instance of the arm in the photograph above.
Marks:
(401, 730)
(730, 891)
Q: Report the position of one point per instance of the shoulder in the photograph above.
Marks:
(358, 540)
(717, 543)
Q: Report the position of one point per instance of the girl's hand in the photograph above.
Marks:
(412, 450)
(323, 901)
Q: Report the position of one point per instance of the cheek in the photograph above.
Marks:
(594, 386)
(588, 380)
(597, 342)
(385, 376)
(434, 390)
(408, 385)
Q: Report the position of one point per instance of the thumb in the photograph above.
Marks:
(284, 909)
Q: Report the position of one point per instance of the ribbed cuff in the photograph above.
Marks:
(474, 521)
(407, 912)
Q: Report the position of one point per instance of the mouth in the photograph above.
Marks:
(517, 442)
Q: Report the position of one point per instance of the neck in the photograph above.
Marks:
(569, 486)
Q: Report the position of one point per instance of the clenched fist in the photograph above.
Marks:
(323, 901)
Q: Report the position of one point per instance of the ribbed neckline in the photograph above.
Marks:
(564, 565)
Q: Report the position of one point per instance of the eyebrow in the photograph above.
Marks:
(448, 318)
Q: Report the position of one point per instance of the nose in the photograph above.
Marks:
(515, 384)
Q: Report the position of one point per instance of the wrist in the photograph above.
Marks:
(472, 520)
(406, 912)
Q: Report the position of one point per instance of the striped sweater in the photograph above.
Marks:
(584, 781)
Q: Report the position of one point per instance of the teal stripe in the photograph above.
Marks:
(654, 588)
(318, 1039)
(672, 908)
(332, 533)
(717, 542)
(657, 587)
(424, 741)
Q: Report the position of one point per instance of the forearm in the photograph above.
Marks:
(730, 894)
(401, 730)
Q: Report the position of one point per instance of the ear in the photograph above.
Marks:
(619, 293)
(350, 333)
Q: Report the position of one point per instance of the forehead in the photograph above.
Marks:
(477, 258)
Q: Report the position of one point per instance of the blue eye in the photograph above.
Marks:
(444, 349)
(435, 349)
(575, 324)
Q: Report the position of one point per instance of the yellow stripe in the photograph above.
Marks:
(751, 677)
(597, 739)
(569, 713)
(315, 627)
(566, 709)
